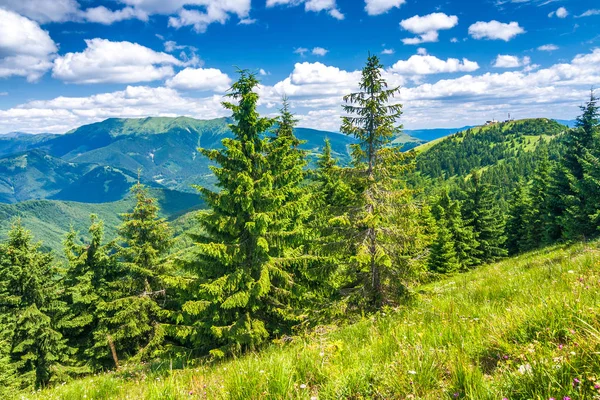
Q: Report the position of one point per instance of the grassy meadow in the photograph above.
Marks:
(525, 328)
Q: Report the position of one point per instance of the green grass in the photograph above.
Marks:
(524, 328)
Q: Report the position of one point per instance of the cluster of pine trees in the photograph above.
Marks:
(278, 248)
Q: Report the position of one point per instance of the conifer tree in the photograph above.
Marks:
(448, 213)
(578, 195)
(242, 294)
(131, 318)
(442, 258)
(517, 225)
(371, 231)
(485, 217)
(30, 310)
(91, 267)
(539, 223)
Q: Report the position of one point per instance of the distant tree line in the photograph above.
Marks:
(280, 247)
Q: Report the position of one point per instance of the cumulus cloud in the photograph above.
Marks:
(25, 48)
(329, 6)
(495, 30)
(548, 47)
(200, 79)
(64, 113)
(427, 64)
(508, 61)
(103, 15)
(377, 7)
(215, 11)
(427, 27)
(43, 11)
(104, 61)
(560, 13)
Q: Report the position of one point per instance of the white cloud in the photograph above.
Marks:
(548, 47)
(43, 11)
(104, 61)
(247, 21)
(262, 72)
(103, 15)
(319, 51)
(64, 113)
(25, 49)
(590, 13)
(508, 61)
(495, 30)
(387, 51)
(454, 40)
(200, 79)
(377, 7)
(215, 11)
(426, 64)
(560, 13)
(427, 27)
(329, 6)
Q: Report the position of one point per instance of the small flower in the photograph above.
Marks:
(262, 371)
(566, 398)
(576, 382)
(303, 386)
(411, 372)
(525, 368)
(560, 346)
(596, 386)
(455, 395)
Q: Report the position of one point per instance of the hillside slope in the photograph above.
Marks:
(525, 328)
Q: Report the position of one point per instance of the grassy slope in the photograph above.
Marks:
(525, 328)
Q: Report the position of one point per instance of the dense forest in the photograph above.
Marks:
(281, 247)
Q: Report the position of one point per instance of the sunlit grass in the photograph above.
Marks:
(525, 328)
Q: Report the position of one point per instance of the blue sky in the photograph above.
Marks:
(64, 63)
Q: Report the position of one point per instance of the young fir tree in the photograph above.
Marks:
(485, 217)
(242, 294)
(448, 212)
(30, 309)
(130, 320)
(578, 194)
(91, 267)
(370, 221)
(517, 225)
(539, 221)
(442, 258)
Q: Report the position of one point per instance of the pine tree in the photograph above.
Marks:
(485, 217)
(91, 267)
(590, 183)
(448, 212)
(30, 310)
(517, 225)
(242, 294)
(130, 320)
(370, 221)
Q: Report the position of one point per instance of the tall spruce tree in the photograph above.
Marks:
(91, 267)
(371, 119)
(442, 258)
(540, 229)
(485, 217)
(578, 195)
(242, 294)
(30, 310)
(517, 224)
(130, 320)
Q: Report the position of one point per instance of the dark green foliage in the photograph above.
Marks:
(484, 216)
(442, 258)
(448, 214)
(130, 316)
(517, 224)
(242, 294)
(91, 267)
(540, 224)
(30, 310)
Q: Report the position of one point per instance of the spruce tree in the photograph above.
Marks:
(242, 294)
(517, 224)
(91, 267)
(131, 318)
(448, 213)
(539, 223)
(372, 232)
(30, 310)
(442, 258)
(485, 217)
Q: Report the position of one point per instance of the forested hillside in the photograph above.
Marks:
(403, 250)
